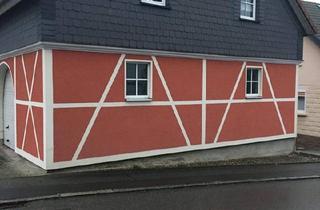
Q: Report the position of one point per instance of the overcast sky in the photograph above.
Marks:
(318, 1)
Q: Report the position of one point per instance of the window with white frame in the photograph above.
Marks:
(138, 80)
(155, 2)
(302, 102)
(253, 83)
(248, 9)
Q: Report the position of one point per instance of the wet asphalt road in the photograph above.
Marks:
(284, 195)
(57, 184)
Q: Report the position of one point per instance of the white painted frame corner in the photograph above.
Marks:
(48, 101)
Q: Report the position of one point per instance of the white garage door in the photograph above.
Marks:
(8, 112)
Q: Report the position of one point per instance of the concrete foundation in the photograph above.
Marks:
(204, 157)
(255, 150)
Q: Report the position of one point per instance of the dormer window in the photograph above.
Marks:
(155, 2)
(248, 9)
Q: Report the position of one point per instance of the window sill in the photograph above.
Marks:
(155, 5)
(253, 97)
(249, 20)
(302, 114)
(138, 99)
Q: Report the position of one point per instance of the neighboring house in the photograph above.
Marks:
(309, 77)
(98, 81)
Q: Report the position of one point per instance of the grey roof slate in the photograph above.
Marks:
(202, 26)
(312, 11)
(5, 5)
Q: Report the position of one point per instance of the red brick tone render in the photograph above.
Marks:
(196, 104)
(26, 71)
(71, 107)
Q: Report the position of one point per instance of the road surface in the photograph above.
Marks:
(283, 195)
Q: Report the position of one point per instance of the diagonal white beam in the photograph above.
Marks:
(229, 103)
(28, 110)
(25, 76)
(274, 98)
(174, 108)
(25, 129)
(29, 93)
(34, 131)
(33, 75)
(98, 108)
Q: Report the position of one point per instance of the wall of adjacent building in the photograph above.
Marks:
(309, 74)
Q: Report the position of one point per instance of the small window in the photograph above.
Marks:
(248, 9)
(253, 84)
(138, 80)
(155, 2)
(302, 103)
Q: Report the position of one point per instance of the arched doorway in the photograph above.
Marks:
(8, 107)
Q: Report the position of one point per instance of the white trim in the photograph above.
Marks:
(15, 96)
(89, 161)
(204, 104)
(162, 3)
(167, 103)
(47, 78)
(274, 98)
(29, 103)
(224, 117)
(106, 49)
(31, 158)
(174, 108)
(6, 64)
(149, 80)
(22, 50)
(15, 103)
(13, 77)
(98, 108)
(137, 99)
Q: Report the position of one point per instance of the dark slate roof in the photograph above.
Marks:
(312, 12)
(5, 5)
(297, 6)
(187, 26)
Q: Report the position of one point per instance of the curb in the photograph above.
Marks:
(54, 172)
(15, 202)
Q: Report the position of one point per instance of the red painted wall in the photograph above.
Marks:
(81, 77)
(29, 123)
